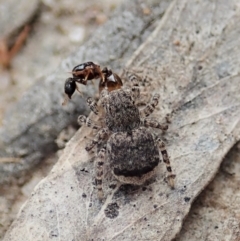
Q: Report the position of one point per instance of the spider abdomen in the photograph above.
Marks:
(133, 155)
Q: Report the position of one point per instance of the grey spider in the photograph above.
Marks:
(131, 149)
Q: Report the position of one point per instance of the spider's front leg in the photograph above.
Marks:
(92, 105)
(134, 82)
(101, 135)
(99, 172)
(171, 176)
(146, 111)
(88, 122)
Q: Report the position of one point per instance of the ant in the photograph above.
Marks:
(89, 71)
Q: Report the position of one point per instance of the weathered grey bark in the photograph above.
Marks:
(31, 126)
(192, 62)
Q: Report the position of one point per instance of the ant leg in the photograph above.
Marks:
(65, 100)
(86, 77)
(79, 91)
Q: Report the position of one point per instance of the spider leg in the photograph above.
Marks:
(168, 118)
(99, 172)
(136, 92)
(146, 111)
(170, 176)
(102, 133)
(92, 105)
(88, 122)
(133, 78)
(134, 81)
(104, 93)
(148, 122)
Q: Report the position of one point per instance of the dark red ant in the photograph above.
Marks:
(81, 74)
(89, 71)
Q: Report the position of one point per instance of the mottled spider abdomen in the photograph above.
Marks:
(133, 155)
(122, 115)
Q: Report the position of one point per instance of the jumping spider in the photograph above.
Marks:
(82, 73)
(131, 149)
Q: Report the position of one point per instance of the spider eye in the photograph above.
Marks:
(69, 87)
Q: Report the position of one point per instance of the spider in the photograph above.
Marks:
(89, 71)
(131, 150)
